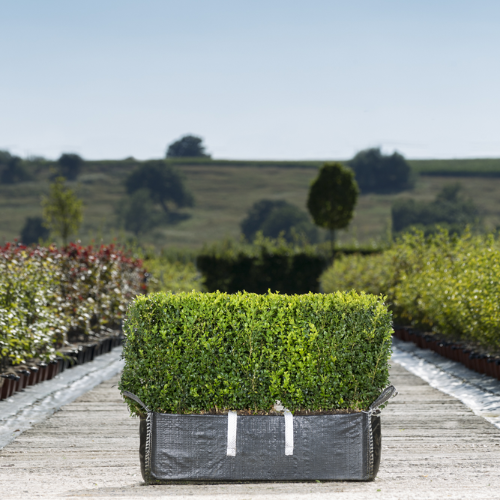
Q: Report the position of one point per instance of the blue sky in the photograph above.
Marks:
(256, 79)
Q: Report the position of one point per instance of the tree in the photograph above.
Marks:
(70, 165)
(164, 183)
(187, 146)
(13, 171)
(137, 213)
(257, 215)
(34, 231)
(332, 198)
(62, 210)
(291, 221)
(274, 217)
(450, 209)
(5, 156)
(378, 173)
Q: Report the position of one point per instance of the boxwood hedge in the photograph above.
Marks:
(199, 352)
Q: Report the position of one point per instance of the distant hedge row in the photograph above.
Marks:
(265, 265)
(198, 352)
(450, 285)
(49, 295)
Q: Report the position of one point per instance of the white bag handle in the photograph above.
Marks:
(232, 419)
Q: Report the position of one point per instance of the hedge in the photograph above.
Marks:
(441, 283)
(213, 352)
(172, 271)
(266, 264)
(51, 295)
(277, 265)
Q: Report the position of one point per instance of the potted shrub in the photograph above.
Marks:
(257, 387)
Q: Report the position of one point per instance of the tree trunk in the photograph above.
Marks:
(332, 243)
(164, 206)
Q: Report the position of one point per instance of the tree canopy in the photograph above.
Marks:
(34, 231)
(274, 217)
(450, 209)
(62, 210)
(379, 173)
(137, 212)
(332, 197)
(70, 165)
(12, 169)
(189, 146)
(164, 183)
(5, 156)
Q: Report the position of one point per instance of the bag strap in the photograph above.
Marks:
(129, 395)
(388, 393)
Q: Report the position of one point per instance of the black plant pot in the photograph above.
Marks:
(9, 386)
(33, 378)
(43, 372)
(23, 380)
(5, 386)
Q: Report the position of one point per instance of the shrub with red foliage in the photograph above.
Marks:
(97, 285)
(49, 295)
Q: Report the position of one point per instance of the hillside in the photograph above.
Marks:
(224, 190)
(482, 167)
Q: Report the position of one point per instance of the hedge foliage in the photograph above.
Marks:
(174, 276)
(231, 266)
(197, 352)
(266, 264)
(49, 295)
(444, 283)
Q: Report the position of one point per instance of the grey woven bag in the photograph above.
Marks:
(261, 448)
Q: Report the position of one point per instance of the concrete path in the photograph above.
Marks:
(434, 447)
(35, 403)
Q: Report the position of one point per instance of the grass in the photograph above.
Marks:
(484, 167)
(224, 191)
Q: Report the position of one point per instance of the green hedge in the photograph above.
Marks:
(195, 352)
(276, 265)
(441, 283)
(297, 273)
(266, 264)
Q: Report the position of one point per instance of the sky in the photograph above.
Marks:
(273, 79)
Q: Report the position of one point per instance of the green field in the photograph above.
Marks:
(483, 167)
(224, 190)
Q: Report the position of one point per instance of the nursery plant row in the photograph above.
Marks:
(443, 284)
(20, 378)
(59, 304)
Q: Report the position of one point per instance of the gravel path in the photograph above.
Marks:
(434, 447)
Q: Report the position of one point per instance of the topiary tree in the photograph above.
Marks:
(70, 165)
(62, 210)
(332, 198)
(187, 146)
(164, 183)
